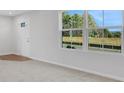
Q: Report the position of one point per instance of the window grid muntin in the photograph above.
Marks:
(85, 28)
(71, 29)
(103, 27)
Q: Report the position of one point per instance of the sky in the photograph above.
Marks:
(111, 17)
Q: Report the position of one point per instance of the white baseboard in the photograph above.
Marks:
(79, 69)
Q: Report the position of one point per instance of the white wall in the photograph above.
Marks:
(21, 35)
(45, 46)
(6, 38)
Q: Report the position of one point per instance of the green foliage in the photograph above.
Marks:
(107, 33)
(116, 34)
(72, 21)
(93, 33)
(66, 21)
(91, 22)
(66, 33)
(77, 21)
(77, 33)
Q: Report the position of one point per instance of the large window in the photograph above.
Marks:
(72, 29)
(104, 29)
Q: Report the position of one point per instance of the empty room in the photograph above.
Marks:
(61, 45)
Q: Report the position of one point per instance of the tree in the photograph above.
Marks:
(107, 33)
(72, 21)
(116, 34)
(91, 22)
(93, 33)
(77, 21)
(66, 21)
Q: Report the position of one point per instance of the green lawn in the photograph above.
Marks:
(77, 42)
(92, 40)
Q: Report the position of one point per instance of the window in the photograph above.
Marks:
(72, 29)
(104, 28)
(112, 18)
(95, 18)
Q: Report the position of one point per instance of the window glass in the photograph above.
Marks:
(95, 18)
(112, 39)
(95, 39)
(104, 33)
(77, 39)
(66, 39)
(72, 20)
(104, 29)
(112, 18)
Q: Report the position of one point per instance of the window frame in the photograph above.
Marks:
(61, 30)
(103, 27)
(85, 35)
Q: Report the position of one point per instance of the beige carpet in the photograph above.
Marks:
(36, 71)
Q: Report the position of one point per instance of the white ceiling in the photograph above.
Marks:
(12, 12)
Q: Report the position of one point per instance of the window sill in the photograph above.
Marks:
(93, 51)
